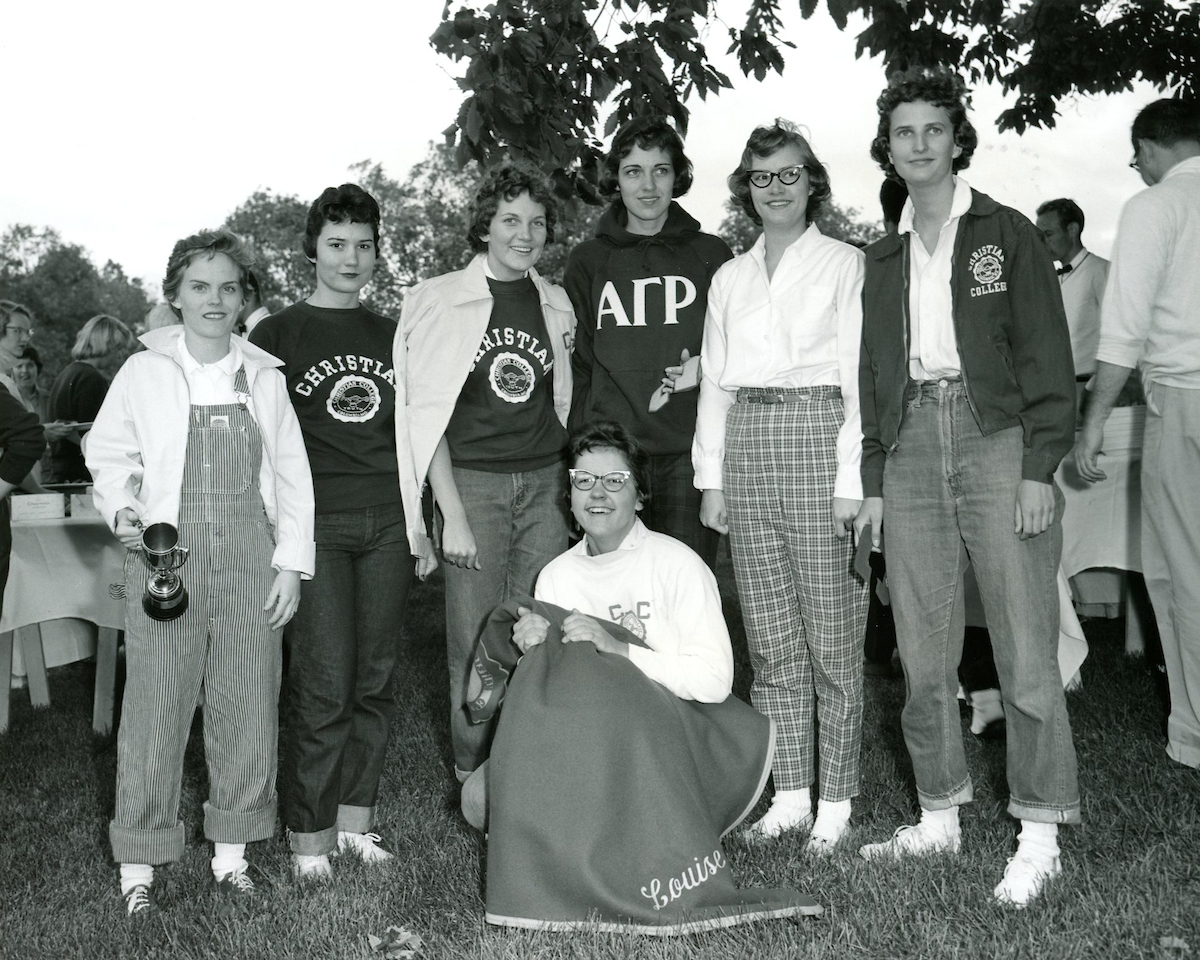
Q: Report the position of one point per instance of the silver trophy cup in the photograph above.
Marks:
(165, 597)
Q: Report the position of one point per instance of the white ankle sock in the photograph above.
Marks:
(986, 706)
(794, 799)
(943, 820)
(228, 858)
(833, 816)
(135, 875)
(1040, 838)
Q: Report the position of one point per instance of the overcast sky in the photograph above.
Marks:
(131, 124)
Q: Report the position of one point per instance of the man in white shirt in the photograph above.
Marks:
(1081, 276)
(1151, 319)
(253, 312)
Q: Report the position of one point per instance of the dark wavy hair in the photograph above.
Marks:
(507, 183)
(1068, 211)
(610, 435)
(648, 133)
(1167, 121)
(348, 203)
(939, 86)
(207, 244)
(764, 142)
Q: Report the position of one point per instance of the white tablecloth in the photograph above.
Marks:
(62, 569)
(1102, 525)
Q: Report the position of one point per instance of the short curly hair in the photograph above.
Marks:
(939, 86)
(648, 133)
(348, 203)
(206, 243)
(610, 435)
(507, 183)
(764, 142)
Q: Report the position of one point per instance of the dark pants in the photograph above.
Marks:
(674, 507)
(344, 643)
(5, 549)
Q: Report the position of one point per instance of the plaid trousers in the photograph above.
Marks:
(803, 606)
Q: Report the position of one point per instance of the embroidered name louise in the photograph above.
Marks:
(691, 878)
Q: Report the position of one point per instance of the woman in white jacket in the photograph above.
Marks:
(198, 432)
(483, 368)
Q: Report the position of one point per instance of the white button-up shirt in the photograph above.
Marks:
(800, 328)
(210, 383)
(933, 346)
(1151, 312)
(1082, 293)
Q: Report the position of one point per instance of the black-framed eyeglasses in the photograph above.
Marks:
(614, 481)
(28, 331)
(787, 176)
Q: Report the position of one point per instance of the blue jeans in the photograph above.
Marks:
(949, 495)
(344, 642)
(519, 521)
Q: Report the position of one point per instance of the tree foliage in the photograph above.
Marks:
(424, 231)
(539, 72)
(59, 282)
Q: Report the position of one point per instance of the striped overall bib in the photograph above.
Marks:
(220, 653)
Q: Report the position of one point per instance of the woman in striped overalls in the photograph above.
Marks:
(197, 431)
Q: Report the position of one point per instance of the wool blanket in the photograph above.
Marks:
(608, 795)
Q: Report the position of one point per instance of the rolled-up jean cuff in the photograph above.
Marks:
(1041, 813)
(355, 819)
(245, 826)
(955, 798)
(130, 845)
(314, 844)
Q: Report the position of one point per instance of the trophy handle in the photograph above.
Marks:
(181, 554)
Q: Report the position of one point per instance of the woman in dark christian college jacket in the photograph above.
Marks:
(345, 638)
(483, 357)
(639, 289)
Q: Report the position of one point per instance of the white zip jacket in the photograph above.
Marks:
(442, 322)
(135, 451)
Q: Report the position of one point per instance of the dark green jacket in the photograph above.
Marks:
(1012, 335)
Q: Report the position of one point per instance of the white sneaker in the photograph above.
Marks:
(1024, 878)
(825, 836)
(366, 845)
(918, 839)
(315, 867)
(781, 818)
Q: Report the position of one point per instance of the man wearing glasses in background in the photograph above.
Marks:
(1151, 319)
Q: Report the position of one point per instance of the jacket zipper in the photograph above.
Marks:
(903, 383)
(959, 243)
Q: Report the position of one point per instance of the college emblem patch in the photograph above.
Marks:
(511, 377)
(630, 621)
(353, 399)
(987, 267)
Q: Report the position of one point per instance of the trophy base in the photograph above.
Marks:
(164, 612)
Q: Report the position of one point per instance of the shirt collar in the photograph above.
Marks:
(807, 238)
(227, 365)
(1190, 165)
(958, 206)
(1079, 258)
(633, 539)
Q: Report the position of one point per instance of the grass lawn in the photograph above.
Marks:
(1131, 873)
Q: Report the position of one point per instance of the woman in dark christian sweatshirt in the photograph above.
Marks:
(639, 289)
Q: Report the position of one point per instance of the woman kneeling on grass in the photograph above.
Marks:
(197, 432)
(620, 759)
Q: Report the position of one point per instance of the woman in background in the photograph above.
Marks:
(79, 390)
